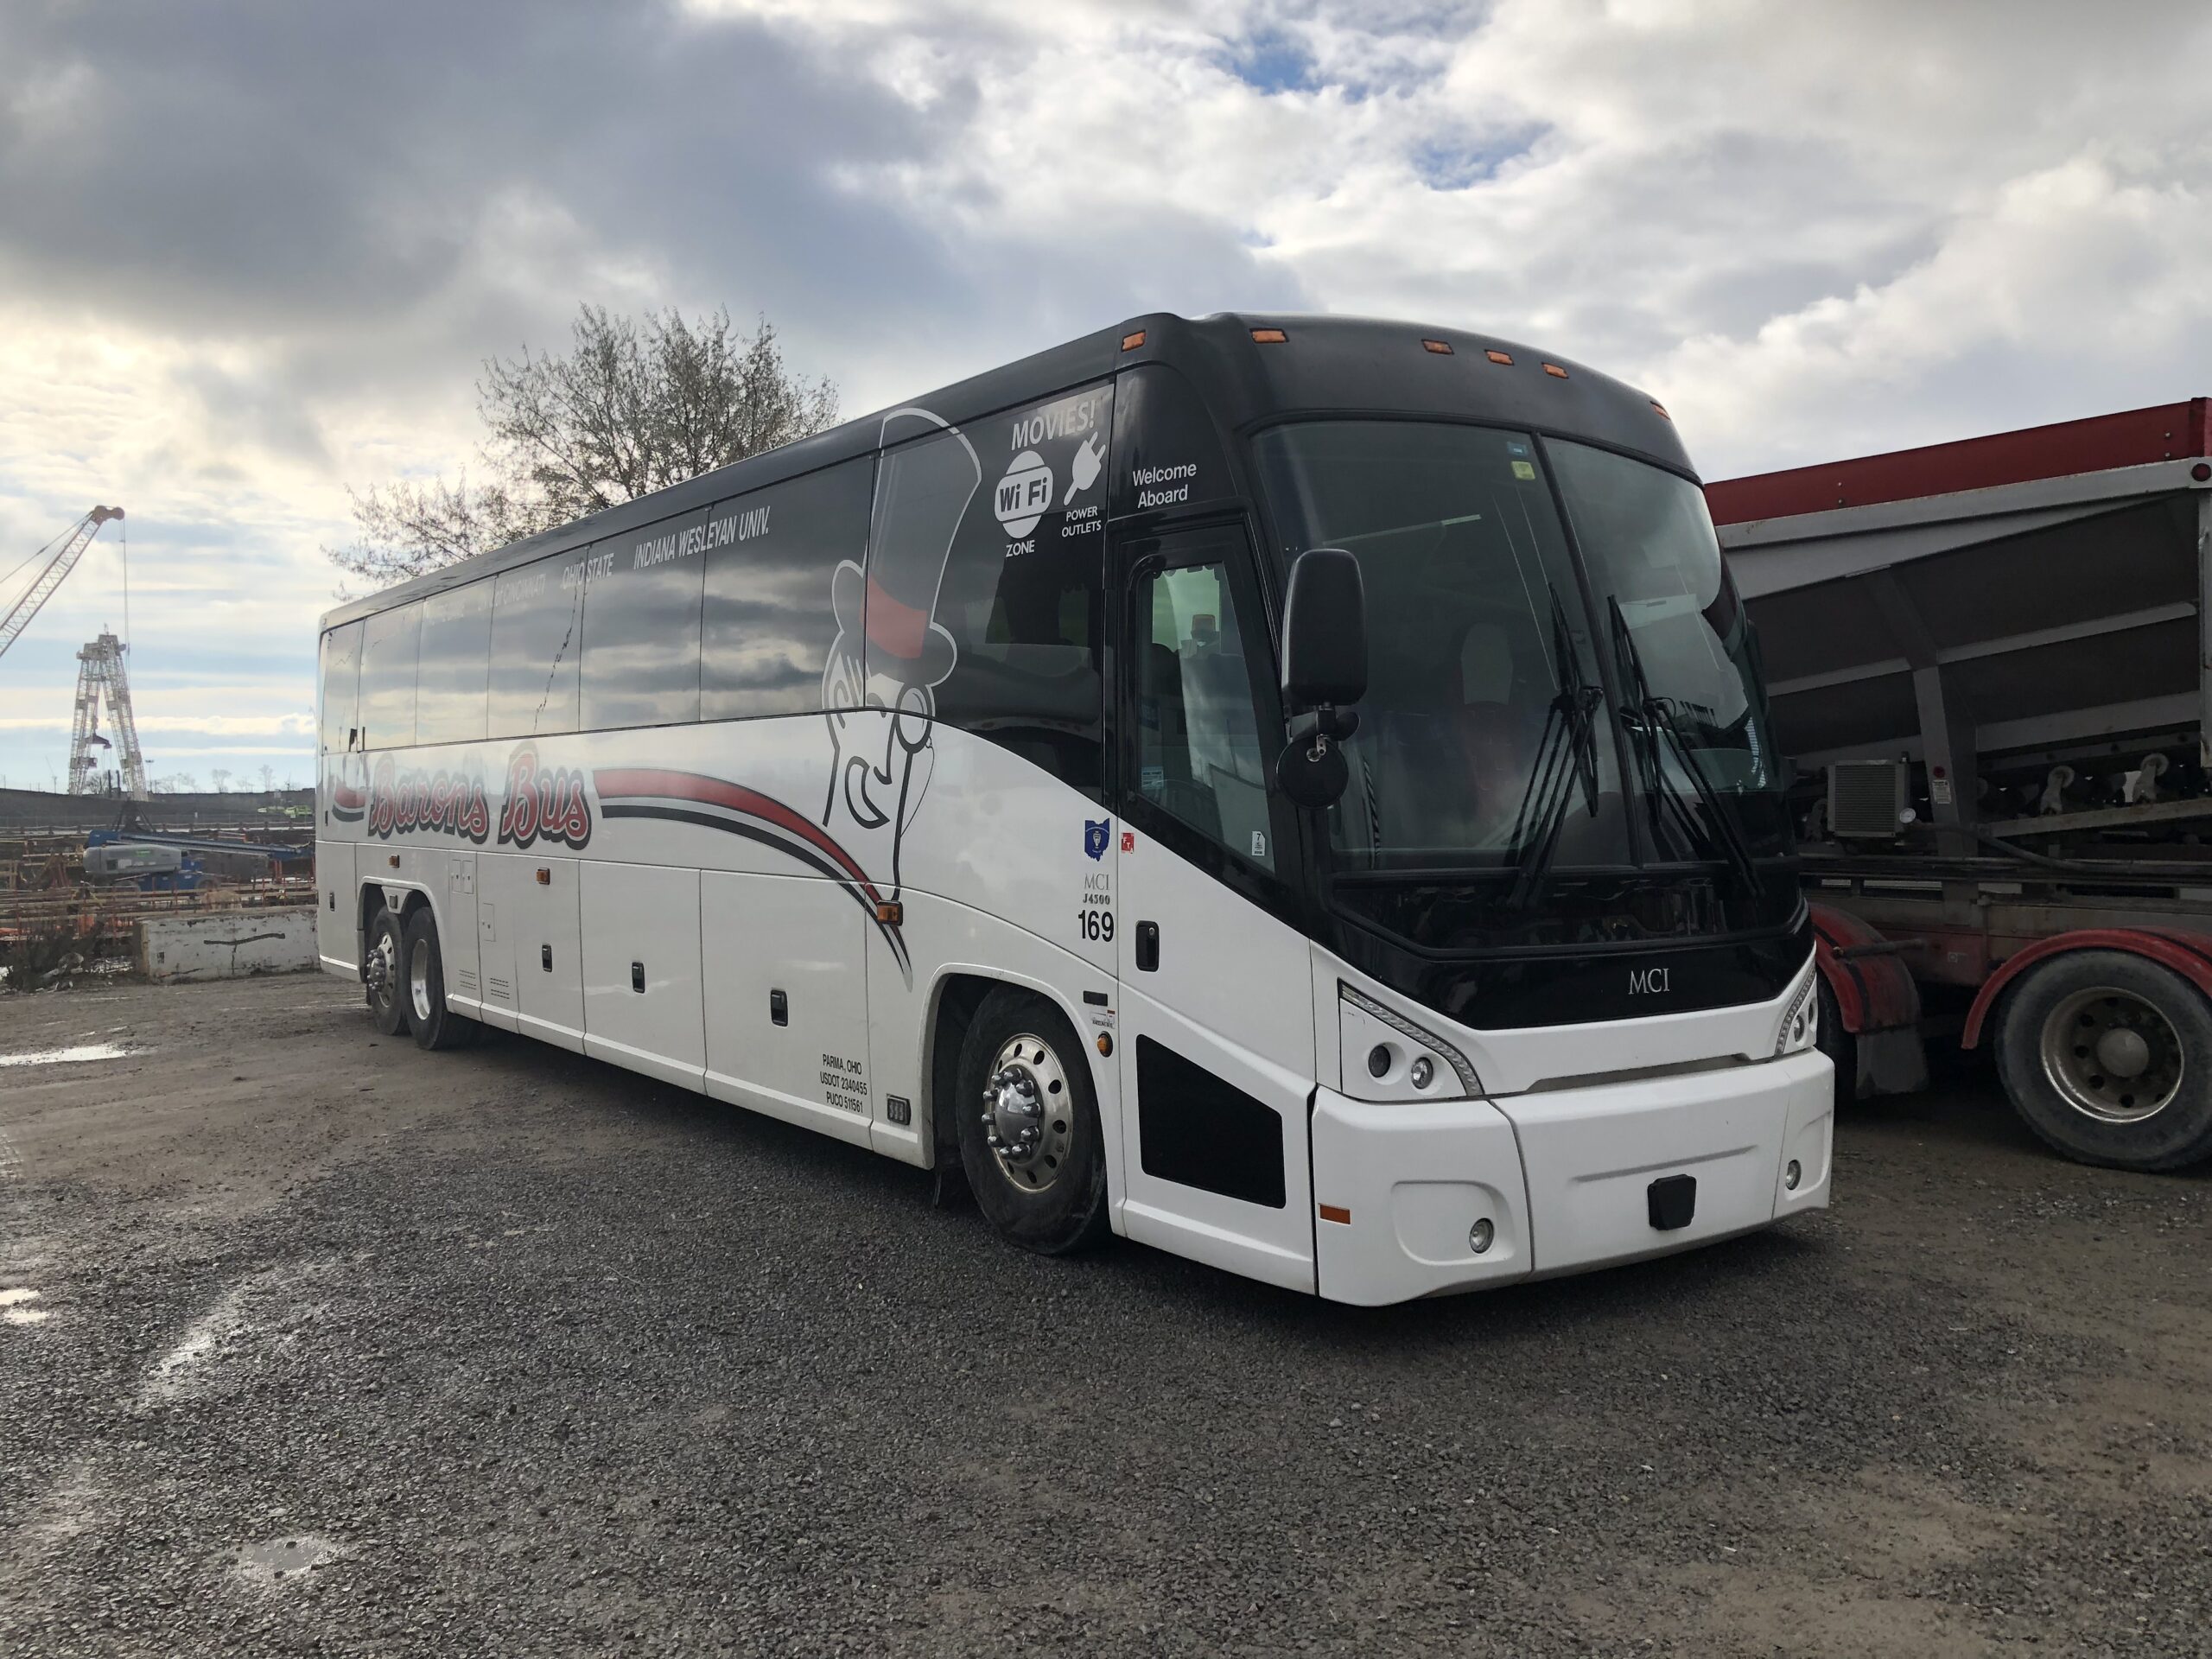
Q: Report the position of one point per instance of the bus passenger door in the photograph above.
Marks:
(1216, 1035)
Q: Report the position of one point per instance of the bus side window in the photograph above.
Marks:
(769, 622)
(341, 689)
(536, 636)
(390, 642)
(1198, 751)
(641, 626)
(449, 687)
(1022, 588)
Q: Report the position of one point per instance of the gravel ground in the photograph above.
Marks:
(337, 1347)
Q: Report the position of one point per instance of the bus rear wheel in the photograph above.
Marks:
(436, 1026)
(2108, 1057)
(381, 973)
(1030, 1140)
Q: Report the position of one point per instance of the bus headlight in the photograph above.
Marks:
(1388, 1057)
(1800, 1021)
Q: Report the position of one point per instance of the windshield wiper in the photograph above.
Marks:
(1655, 718)
(1566, 753)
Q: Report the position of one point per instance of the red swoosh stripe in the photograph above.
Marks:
(623, 782)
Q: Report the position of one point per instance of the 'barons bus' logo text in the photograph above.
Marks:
(545, 805)
(448, 802)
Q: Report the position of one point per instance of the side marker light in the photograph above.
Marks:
(1130, 342)
(1268, 336)
(1441, 347)
(1505, 358)
(1555, 370)
(1337, 1213)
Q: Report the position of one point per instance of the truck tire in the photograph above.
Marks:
(1030, 1140)
(436, 1026)
(381, 973)
(2107, 1056)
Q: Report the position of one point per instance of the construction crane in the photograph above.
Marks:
(100, 675)
(59, 564)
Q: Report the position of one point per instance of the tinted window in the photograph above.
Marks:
(1200, 755)
(537, 616)
(456, 651)
(341, 684)
(986, 574)
(641, 626)
(388, 644)
(770, 558)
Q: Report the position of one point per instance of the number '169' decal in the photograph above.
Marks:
(1095, 924)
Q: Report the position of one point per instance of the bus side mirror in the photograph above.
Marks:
(1324, 669)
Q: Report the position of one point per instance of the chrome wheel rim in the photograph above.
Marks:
(1028, 1113)
(418, 978)
(383, 970)
(2112, 1055)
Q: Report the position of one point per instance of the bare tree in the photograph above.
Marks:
(222, 777)
(268, 778)
(634, 406)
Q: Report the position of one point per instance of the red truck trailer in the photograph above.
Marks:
(1989, 664)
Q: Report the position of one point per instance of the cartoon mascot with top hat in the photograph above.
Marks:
(879, 687)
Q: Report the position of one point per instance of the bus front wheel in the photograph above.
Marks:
(1030, 1140)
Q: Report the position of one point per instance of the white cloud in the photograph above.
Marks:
(1811, 230)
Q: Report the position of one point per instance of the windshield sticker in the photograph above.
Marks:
(1525, 471)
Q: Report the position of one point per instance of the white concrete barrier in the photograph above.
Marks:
(228, 947)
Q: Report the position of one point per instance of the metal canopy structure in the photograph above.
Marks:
(2008, 601)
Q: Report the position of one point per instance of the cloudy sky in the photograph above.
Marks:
(253, 253)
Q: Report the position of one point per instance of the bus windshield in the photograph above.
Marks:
(1485, 739)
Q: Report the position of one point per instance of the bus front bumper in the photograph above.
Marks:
(1564, 1178)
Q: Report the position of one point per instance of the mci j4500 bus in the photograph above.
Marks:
(1295, 792)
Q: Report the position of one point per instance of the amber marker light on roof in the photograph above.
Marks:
(1505, 358)
(1661, 410)
(1555, 370)
(1441, 347)
(1268, 336)
(1130, 342)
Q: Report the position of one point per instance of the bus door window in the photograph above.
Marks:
(1200, 755)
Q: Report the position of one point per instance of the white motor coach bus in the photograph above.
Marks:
(1293, 793)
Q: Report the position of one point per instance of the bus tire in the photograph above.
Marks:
(1029, 1139)
(2108, 1057)
(381, 973)
(436, 1026)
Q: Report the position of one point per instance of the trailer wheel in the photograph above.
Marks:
(1030, 1140)
(436, 1026)
(381, 974)
(2108, 1057)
